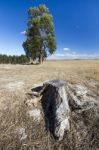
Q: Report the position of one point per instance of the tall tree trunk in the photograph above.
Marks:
(41, 58)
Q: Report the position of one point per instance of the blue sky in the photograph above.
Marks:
(76, 26)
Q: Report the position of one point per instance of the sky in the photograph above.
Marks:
(76, 27)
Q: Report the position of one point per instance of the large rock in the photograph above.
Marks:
(70, 108)
(56, 107)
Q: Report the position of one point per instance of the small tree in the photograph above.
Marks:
(40, 40)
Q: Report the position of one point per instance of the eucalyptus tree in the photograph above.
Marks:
(40, 37)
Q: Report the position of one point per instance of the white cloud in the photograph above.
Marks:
(66, 49)
(23, 32)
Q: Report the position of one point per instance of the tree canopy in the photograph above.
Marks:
(40, 41)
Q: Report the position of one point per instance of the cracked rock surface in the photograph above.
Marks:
(70, 113)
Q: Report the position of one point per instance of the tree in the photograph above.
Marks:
(40, 40)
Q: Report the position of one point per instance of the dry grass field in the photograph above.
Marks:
(17, 80)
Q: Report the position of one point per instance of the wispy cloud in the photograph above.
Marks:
(66, 49)
(23, 32)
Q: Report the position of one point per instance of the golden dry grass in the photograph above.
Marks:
(74, 71)
(17, 80)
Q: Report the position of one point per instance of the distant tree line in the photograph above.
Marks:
(5, 59)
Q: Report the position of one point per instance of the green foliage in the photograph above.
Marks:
(40, 40)
(4, 59)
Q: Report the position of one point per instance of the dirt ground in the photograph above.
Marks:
(17, 80)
